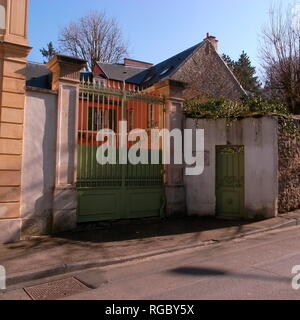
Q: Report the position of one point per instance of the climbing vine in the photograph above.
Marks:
(218, 108)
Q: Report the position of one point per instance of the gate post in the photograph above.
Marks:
(66, 79)
(174, 119)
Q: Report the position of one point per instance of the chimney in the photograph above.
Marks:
(213, 40)
(137, 63)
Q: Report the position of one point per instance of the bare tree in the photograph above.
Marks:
(95, 37)
(280, 55)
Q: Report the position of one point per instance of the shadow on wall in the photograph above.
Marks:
(39, 163)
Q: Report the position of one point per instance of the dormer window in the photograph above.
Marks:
(149, 78)
(2, 18)
(165, 71)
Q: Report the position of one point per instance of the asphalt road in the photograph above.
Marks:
(257, 267)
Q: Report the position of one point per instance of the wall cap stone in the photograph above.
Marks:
(41, 90)
(65, 69)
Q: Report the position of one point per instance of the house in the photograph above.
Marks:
(200, 66)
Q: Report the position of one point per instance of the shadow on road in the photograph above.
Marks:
(211, 272)
(113, 240)
(141, 229)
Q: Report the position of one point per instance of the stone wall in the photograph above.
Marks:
(207, 74)
(289, 171)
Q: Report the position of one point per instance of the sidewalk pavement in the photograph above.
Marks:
(73, 251)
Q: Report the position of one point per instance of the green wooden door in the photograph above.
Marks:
(230, 187)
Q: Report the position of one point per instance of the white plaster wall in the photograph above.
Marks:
(261, 166)
(259, 135)
(39, 154)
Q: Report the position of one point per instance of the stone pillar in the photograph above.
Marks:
(66, 77)
(174, 174)
(13, 53)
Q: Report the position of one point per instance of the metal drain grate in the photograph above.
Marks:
(56, 289)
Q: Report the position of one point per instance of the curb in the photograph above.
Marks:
(80, 266)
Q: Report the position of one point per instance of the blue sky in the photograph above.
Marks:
(158, 29)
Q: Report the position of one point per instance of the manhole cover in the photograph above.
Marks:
(56, 289)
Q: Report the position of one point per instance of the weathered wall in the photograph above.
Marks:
(207, 74)
(261, 165)
(174, 119)
(289, 171)
(38, 168)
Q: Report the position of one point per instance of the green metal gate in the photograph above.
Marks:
(117, 191)
(230, 181)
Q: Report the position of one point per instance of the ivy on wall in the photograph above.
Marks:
(222, 108)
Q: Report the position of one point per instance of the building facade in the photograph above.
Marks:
(13, 53)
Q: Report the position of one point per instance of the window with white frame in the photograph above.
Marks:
(99, 83)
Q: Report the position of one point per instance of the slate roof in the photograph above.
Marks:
(163, 70)
(38, 75)
(119, 72)
(146, 77)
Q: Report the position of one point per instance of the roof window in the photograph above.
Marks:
(165, 70)
(149, 78)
